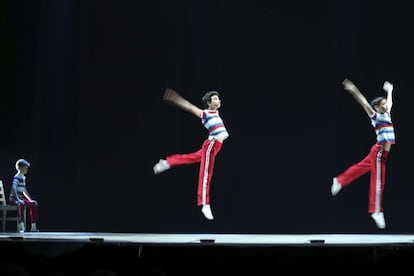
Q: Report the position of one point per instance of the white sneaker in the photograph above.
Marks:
(34, 228)
(336, 187)
(21, 227)
(161, 166)
(379, 219)
(206, 210)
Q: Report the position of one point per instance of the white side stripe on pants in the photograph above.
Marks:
(205, 173)
(378, 181)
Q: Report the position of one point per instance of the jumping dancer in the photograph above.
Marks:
(206, 155)
(379, 111)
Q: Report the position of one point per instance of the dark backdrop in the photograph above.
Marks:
(81, 92)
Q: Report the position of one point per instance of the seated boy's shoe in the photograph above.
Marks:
(21, 227)
(379, 219)
(206, 210)
(161, 166)
(34, 229)
(336, 187)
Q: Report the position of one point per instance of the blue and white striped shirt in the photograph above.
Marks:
(383, 128)
(213, 122)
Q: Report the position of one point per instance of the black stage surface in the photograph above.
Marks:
(81, 253)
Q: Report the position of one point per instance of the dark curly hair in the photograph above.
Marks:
(207, 97)
(376, 101)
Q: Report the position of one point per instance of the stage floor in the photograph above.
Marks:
(219, 239)
(80, 253)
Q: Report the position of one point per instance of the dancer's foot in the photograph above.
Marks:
(206, 210)
(161, 166)
(336, 187)
(379, 219)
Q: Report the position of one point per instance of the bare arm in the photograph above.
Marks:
(351, 88)
(171, 96)
(388, 87)
(26, 194)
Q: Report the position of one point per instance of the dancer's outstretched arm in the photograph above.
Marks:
(388, 87)
(351, 88)
(171, 96)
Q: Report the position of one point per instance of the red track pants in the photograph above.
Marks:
(374, 162)
(206, 157)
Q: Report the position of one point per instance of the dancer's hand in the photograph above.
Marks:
(172, 97)
(388, 87)
(349, 86)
